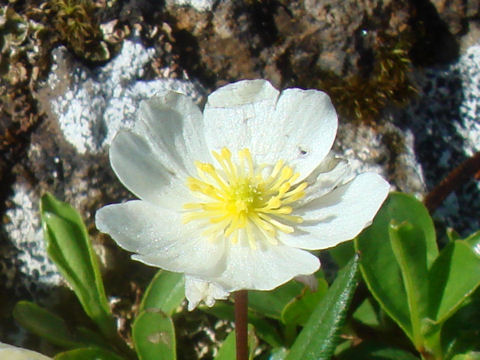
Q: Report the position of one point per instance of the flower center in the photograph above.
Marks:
(239, 200)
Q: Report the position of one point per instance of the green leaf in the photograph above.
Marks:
(367, 314)
(459, 334)
(154, 336)
(453, 278)
(271, 303)
(410, 252)
(165, 292)
(474, 242)
(228, 349)
(378, 262)
(342, 253)
(452, 235)
(92, 338)
(469, 356)
(375, 351)
(88, 354)
(279, 353)
(298, 310)
(68, 245)
(263, 328)
(320, 335)
(45, 324)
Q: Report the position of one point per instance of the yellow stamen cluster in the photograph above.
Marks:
(240, 200)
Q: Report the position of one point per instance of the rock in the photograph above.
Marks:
(456, 13)
(386, 150)
(284, 42)
(91, 105)
(445, 120)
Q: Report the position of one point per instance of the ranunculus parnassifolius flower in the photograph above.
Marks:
(235, 196)
(9, 352)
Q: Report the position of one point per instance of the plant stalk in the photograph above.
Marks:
(454, 180)
(241, 324)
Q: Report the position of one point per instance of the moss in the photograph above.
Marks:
(363, 97)
(77, 28)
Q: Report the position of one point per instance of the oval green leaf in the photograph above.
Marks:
(272, 303)
(154, 336)
(378, 262)
(68, 245)
(165, 292)
(298, 310)
(45, 324)
(456, 262)
(228, 349)
(408, 247)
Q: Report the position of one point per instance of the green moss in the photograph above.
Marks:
(76, 26)
(363, 97)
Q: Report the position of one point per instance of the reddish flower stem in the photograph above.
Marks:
(455, 179)
(241, 323)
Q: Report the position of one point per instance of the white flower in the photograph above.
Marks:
(15, 353)
(234, 197)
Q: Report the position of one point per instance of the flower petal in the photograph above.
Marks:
(173, 126)
(139, 169)
(307, 124)
(332, 172)
(264, 268)
(238, 116)
(197, 290)
(11, 352)
(340, 215)
(298, 127)
(160, 239)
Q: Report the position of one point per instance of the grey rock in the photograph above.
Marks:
(445, 120)
(91, 105)
(455, 13)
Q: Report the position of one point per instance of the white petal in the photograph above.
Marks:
(307, 124)
(332, 172)
(298, 127)
(140, 170)
(340, 215)
(9, 352)
(197, 290)
(238, 116)
(160, 239)
(173, 126)
(264, 268)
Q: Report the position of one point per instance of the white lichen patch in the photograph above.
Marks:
(199, 5)
(25, 234)
(96, 103)
(469, 71)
